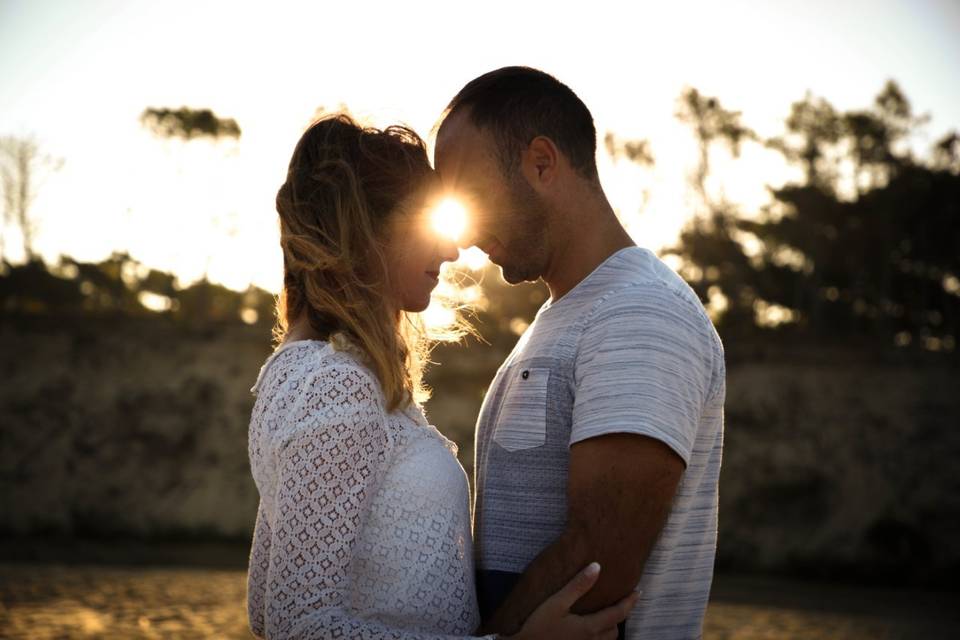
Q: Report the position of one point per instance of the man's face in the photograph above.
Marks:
(508, 218)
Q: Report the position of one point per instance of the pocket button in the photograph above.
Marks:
(522, 420)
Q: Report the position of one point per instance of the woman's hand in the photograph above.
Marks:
(552, 619)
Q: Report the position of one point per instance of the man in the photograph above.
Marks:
(600, 437)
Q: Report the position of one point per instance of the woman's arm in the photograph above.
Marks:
(257, 572)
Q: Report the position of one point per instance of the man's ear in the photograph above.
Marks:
(540, 162)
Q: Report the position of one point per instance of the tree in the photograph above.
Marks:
(187, 123)
(946, 153)
(637, 151)
(867, 244)
(711, 123)
(23, 169)
(120, 285)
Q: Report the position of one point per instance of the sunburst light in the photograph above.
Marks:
(449, 218)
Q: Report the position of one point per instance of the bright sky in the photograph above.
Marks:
(77, 75)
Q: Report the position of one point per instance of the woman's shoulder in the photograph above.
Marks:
(288, 363)
(310, 385)
(344, 376)
(336, 370)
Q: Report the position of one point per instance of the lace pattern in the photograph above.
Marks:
(363, 528)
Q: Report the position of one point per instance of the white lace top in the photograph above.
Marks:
(363, 529)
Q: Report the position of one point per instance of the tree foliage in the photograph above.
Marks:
(188, 124)
(121, 285)
(23, 169)
(867, 244)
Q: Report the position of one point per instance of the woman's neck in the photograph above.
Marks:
(301, 329)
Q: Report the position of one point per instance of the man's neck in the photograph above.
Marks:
(576, 252)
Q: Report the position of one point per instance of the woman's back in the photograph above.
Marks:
(364, 524)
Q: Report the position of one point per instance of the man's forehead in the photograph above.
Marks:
(460, 144)
(456, 125)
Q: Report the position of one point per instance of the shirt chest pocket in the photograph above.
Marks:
(522, 422)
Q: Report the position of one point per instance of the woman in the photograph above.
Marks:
(363, 529)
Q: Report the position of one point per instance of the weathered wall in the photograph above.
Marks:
(832, 464)
(126, 427)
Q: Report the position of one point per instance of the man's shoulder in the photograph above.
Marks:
(648, 297)
(633, 291)
(635, 271)
(650, 294)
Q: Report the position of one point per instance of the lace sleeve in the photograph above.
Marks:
(328, 470)
(256, 576)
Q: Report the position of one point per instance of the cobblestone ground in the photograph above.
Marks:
(44, 602)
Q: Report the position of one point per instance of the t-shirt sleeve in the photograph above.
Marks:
(643, 366)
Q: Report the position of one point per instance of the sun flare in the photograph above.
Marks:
(449, 218)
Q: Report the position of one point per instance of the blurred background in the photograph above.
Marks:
(797, 163)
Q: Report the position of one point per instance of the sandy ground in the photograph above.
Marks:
(88, 601)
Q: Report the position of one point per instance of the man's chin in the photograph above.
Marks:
(515, 276)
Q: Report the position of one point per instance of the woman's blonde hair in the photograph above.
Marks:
(343, 183)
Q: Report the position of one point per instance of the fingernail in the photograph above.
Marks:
(592, 569)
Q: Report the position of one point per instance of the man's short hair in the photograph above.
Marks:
(517, 104)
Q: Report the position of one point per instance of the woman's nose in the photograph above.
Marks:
(447, 249)
(467, 238)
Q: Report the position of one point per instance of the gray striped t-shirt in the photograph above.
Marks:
(629, 349)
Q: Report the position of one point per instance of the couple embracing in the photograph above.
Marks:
(598, 445)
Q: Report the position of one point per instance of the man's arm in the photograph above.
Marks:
(643, 366)
(619, 492)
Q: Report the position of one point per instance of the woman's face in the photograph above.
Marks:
(415, 252)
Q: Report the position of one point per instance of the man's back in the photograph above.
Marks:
(628, 350)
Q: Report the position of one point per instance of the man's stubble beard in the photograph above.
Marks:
(527, 251)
